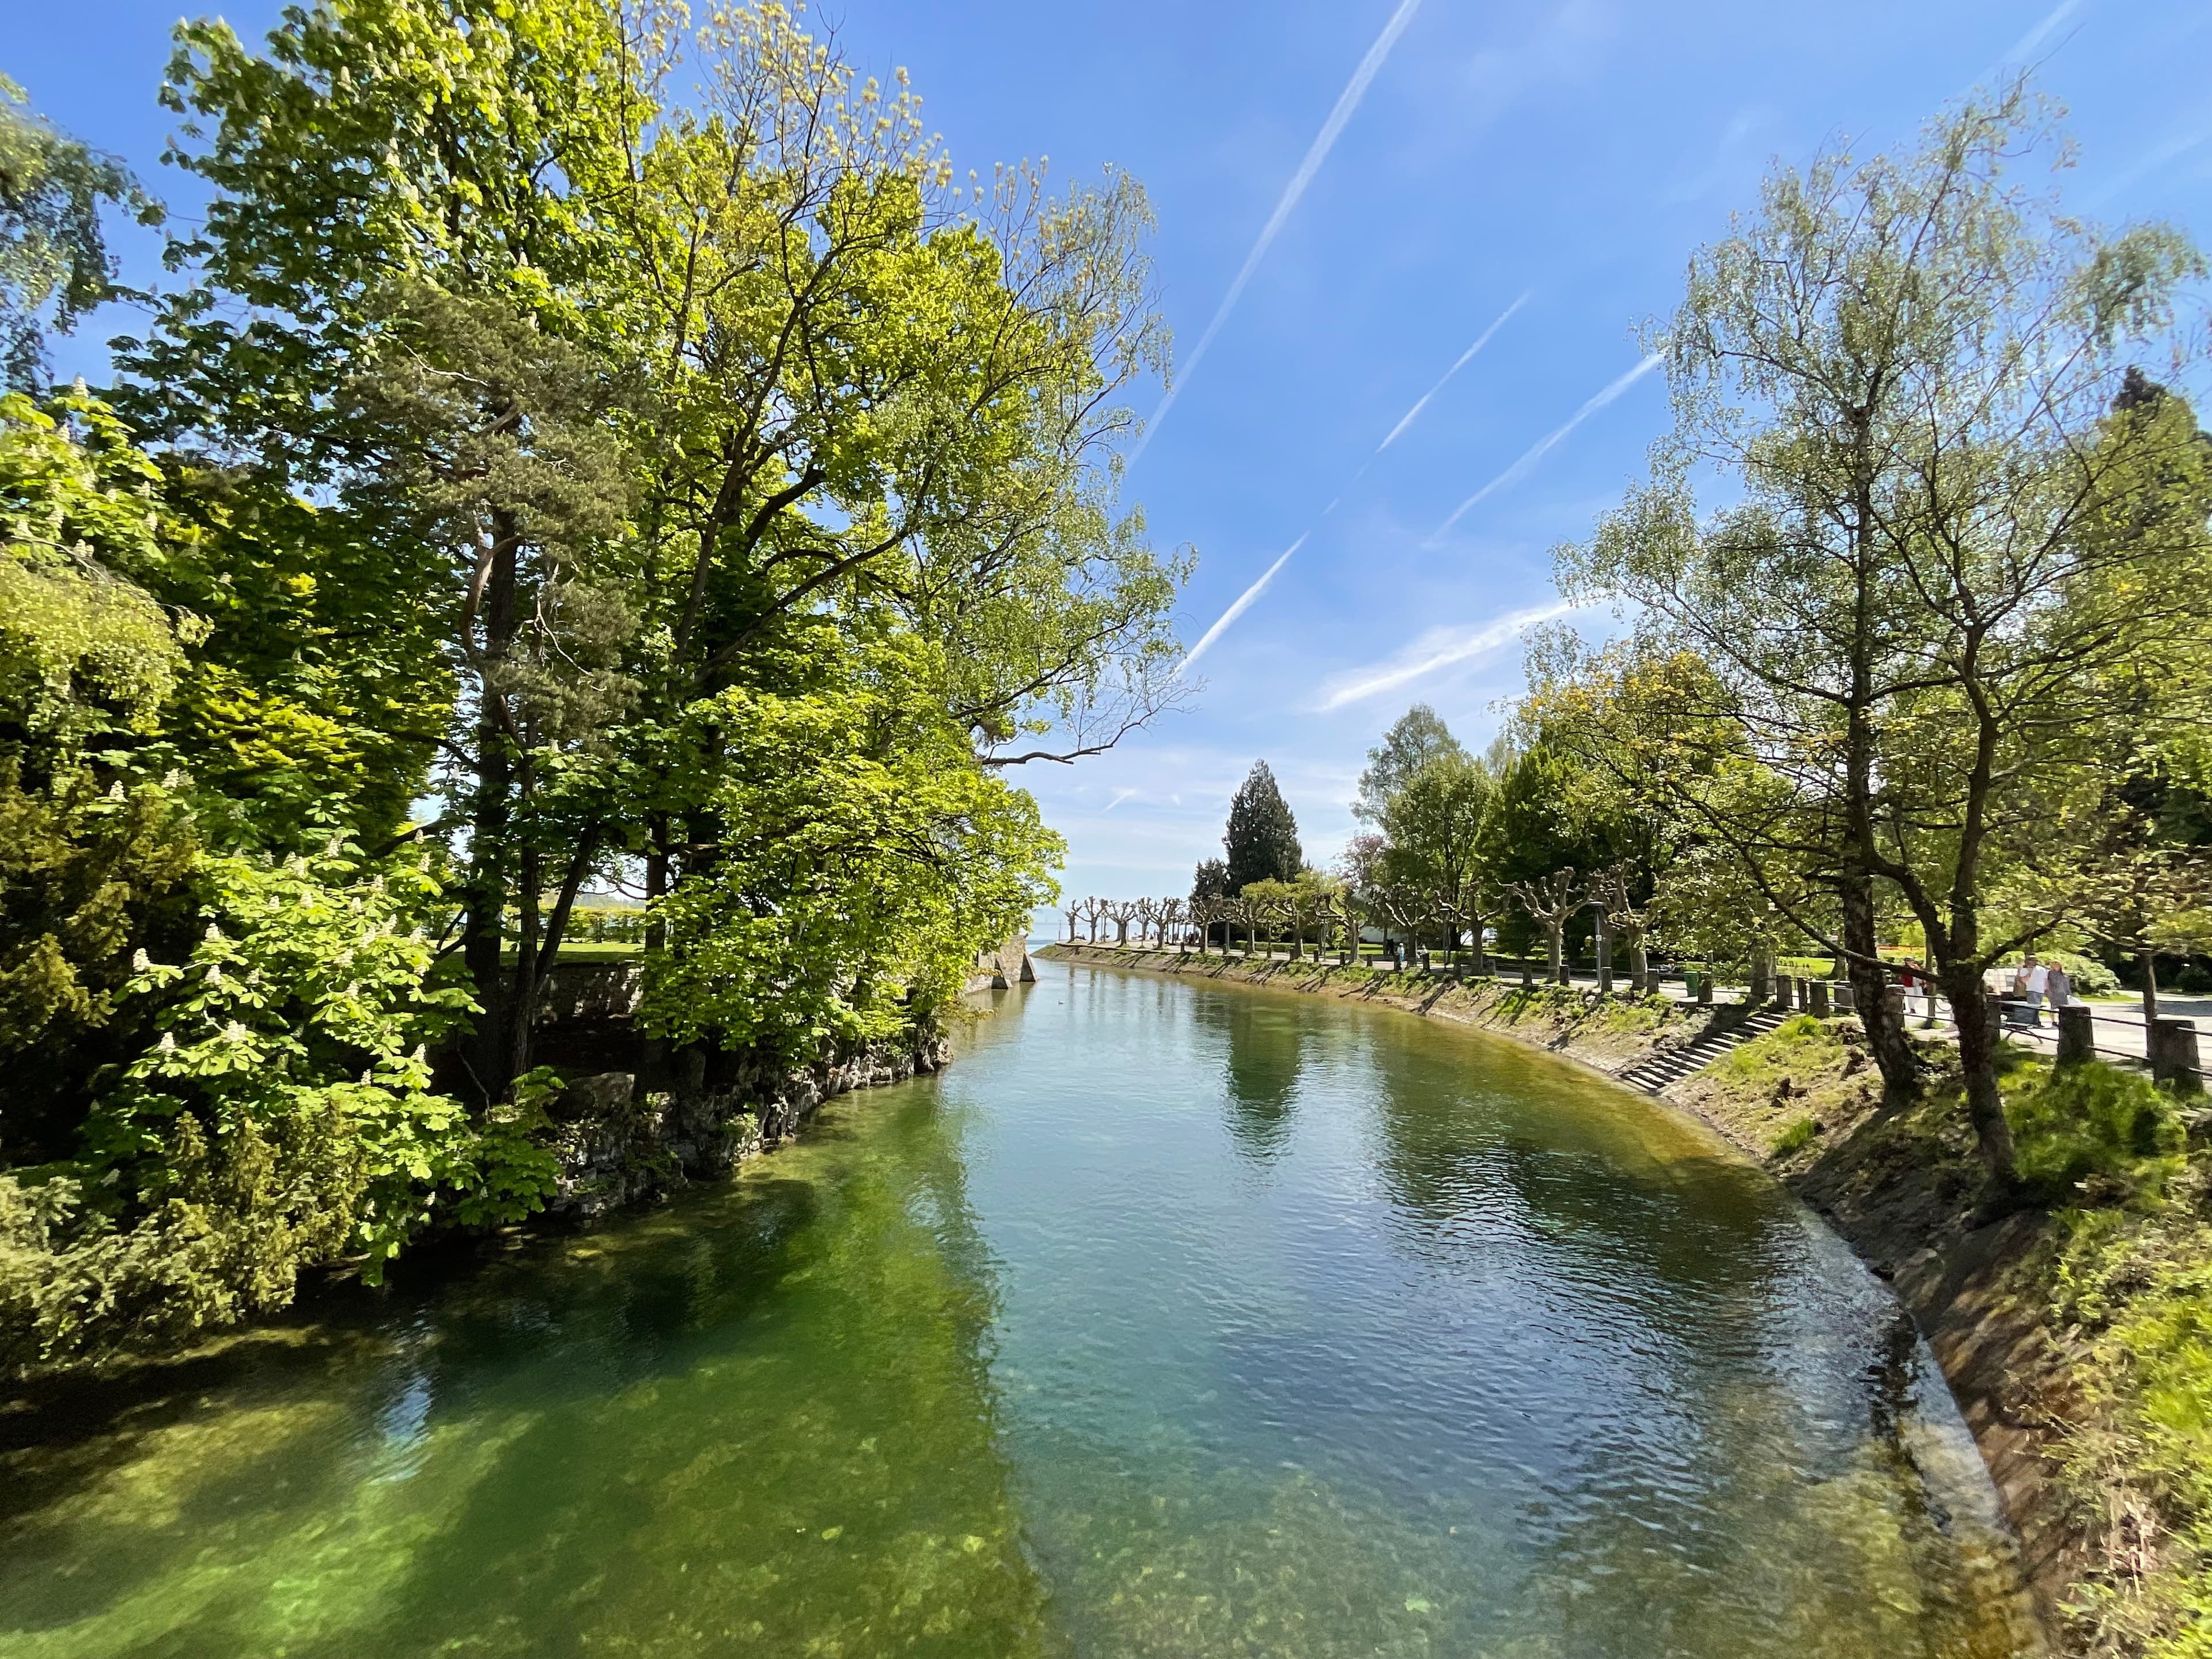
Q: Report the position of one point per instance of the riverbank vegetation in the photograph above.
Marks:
(531, 484)
(1930, 686)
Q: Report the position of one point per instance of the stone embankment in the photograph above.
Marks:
(1803, 1101)
(631, 1126)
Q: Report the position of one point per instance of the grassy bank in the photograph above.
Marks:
(2075, 1329)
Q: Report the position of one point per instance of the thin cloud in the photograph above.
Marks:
(1522, 468)
(1465, 358)
(1243, 603)
(2152, 161)
(1440, 648)
(1119, 795)
(2019, 54)
(2036, 36)
(1347, 104)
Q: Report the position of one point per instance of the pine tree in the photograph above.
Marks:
(1262, 839)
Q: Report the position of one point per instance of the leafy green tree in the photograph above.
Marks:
(54, 263)
(657, 389)
(92, 850)
(1909, 367)
(1414, 739)
(862, 855)
(1432, 826)
(1534, 826)
(1261, 840)
(221, 1050)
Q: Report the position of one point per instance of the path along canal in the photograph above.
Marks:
(1173, 1319)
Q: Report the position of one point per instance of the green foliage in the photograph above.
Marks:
(82, 650)
(714, 496)
(1210, 880)
(2137, 1285)
(236, 1221)
(863, 857)
(1794, 1138)
(2094, 1119)
(87, 877)
(1431, 825)
(1534, 826)
(1414, 739)
(311, 997)
(1261, 840)
(54, 263)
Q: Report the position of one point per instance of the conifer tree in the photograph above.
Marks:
(1263, 838)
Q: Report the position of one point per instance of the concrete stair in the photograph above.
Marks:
(1656, 1073)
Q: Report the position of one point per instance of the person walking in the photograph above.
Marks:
(2058, 986)
(2038, 979)
(2015, 1003)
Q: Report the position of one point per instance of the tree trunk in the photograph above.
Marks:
(2150, 988)
(653, 1052)
(1555, 935)
(522, 995)
(1977, 1056)
(490, 830)
(1885, 1029)
(1639, 962)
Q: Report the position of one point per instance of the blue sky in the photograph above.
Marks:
(1574, 153)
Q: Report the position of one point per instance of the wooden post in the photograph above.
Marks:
(1847, 1000)
(2077, 1034)
(1706, 988)
(1816, 998)
(2173, 1054)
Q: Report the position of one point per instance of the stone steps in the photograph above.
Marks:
(1656, 1073)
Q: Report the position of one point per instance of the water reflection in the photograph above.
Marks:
(1023, 1361)
(757, 1423)
(1267, 1046)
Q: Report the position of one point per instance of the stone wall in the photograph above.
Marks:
(619, 1143)
(1005, 968)
(633, 1124)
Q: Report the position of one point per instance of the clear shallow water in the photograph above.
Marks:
(1171, 1321)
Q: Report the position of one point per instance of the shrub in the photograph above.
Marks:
(2094, 1120)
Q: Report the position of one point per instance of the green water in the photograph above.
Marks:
(1171, 1321)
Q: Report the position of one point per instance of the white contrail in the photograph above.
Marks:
(1465, 358)
(1243, 603)
(1347, 104)
(2036, 36)
(1522, 468)
(1440, 647)
(1259, 587)
(1119, 795)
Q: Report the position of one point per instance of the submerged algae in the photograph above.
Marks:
(1172, 1320)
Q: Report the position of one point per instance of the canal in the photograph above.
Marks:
(1174, 1319)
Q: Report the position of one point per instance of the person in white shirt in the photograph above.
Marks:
(2038, 979)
